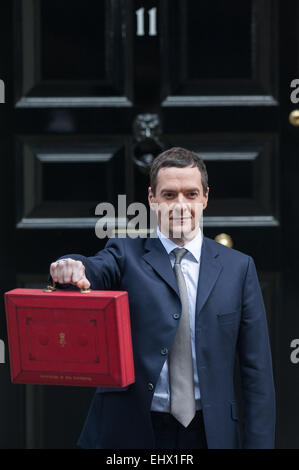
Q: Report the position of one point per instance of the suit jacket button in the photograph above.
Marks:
(164, 351)
(150, 386)
(176, 316)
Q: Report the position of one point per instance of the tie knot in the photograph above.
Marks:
(179, 253)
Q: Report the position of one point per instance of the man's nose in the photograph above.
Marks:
(181, 199)
(181, 204)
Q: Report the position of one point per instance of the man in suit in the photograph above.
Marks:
(194, 305)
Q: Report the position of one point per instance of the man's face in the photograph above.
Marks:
(178, 201)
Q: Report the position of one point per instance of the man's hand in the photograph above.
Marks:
(69, 271)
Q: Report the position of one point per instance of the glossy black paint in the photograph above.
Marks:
(198, 95)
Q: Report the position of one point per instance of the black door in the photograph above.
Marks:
(93, 91)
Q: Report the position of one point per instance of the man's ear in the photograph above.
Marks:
(151, 197)
(206, 197)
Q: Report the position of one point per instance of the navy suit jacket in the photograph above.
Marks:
(230, 320)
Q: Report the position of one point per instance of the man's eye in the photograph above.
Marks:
(193, 194)
(168, 195)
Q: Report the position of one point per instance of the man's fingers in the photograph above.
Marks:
(53, 271)
(69, 271)
(65, 270)
(62, 272)
(78, 272)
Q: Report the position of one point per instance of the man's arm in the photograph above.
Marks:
(100, 272)
(256, 366)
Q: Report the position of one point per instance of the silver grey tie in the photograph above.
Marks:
(181, 377)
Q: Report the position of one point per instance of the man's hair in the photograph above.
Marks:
(180, 158)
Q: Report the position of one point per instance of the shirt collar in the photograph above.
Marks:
(194, 246)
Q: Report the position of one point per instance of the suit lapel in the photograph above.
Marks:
(210, 268)
(158, 258)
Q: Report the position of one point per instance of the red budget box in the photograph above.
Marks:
(69, 338)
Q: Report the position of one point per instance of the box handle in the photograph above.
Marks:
(53, 288)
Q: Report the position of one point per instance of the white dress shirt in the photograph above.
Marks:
(190, 267)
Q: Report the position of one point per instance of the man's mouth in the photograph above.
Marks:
(180, 218)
